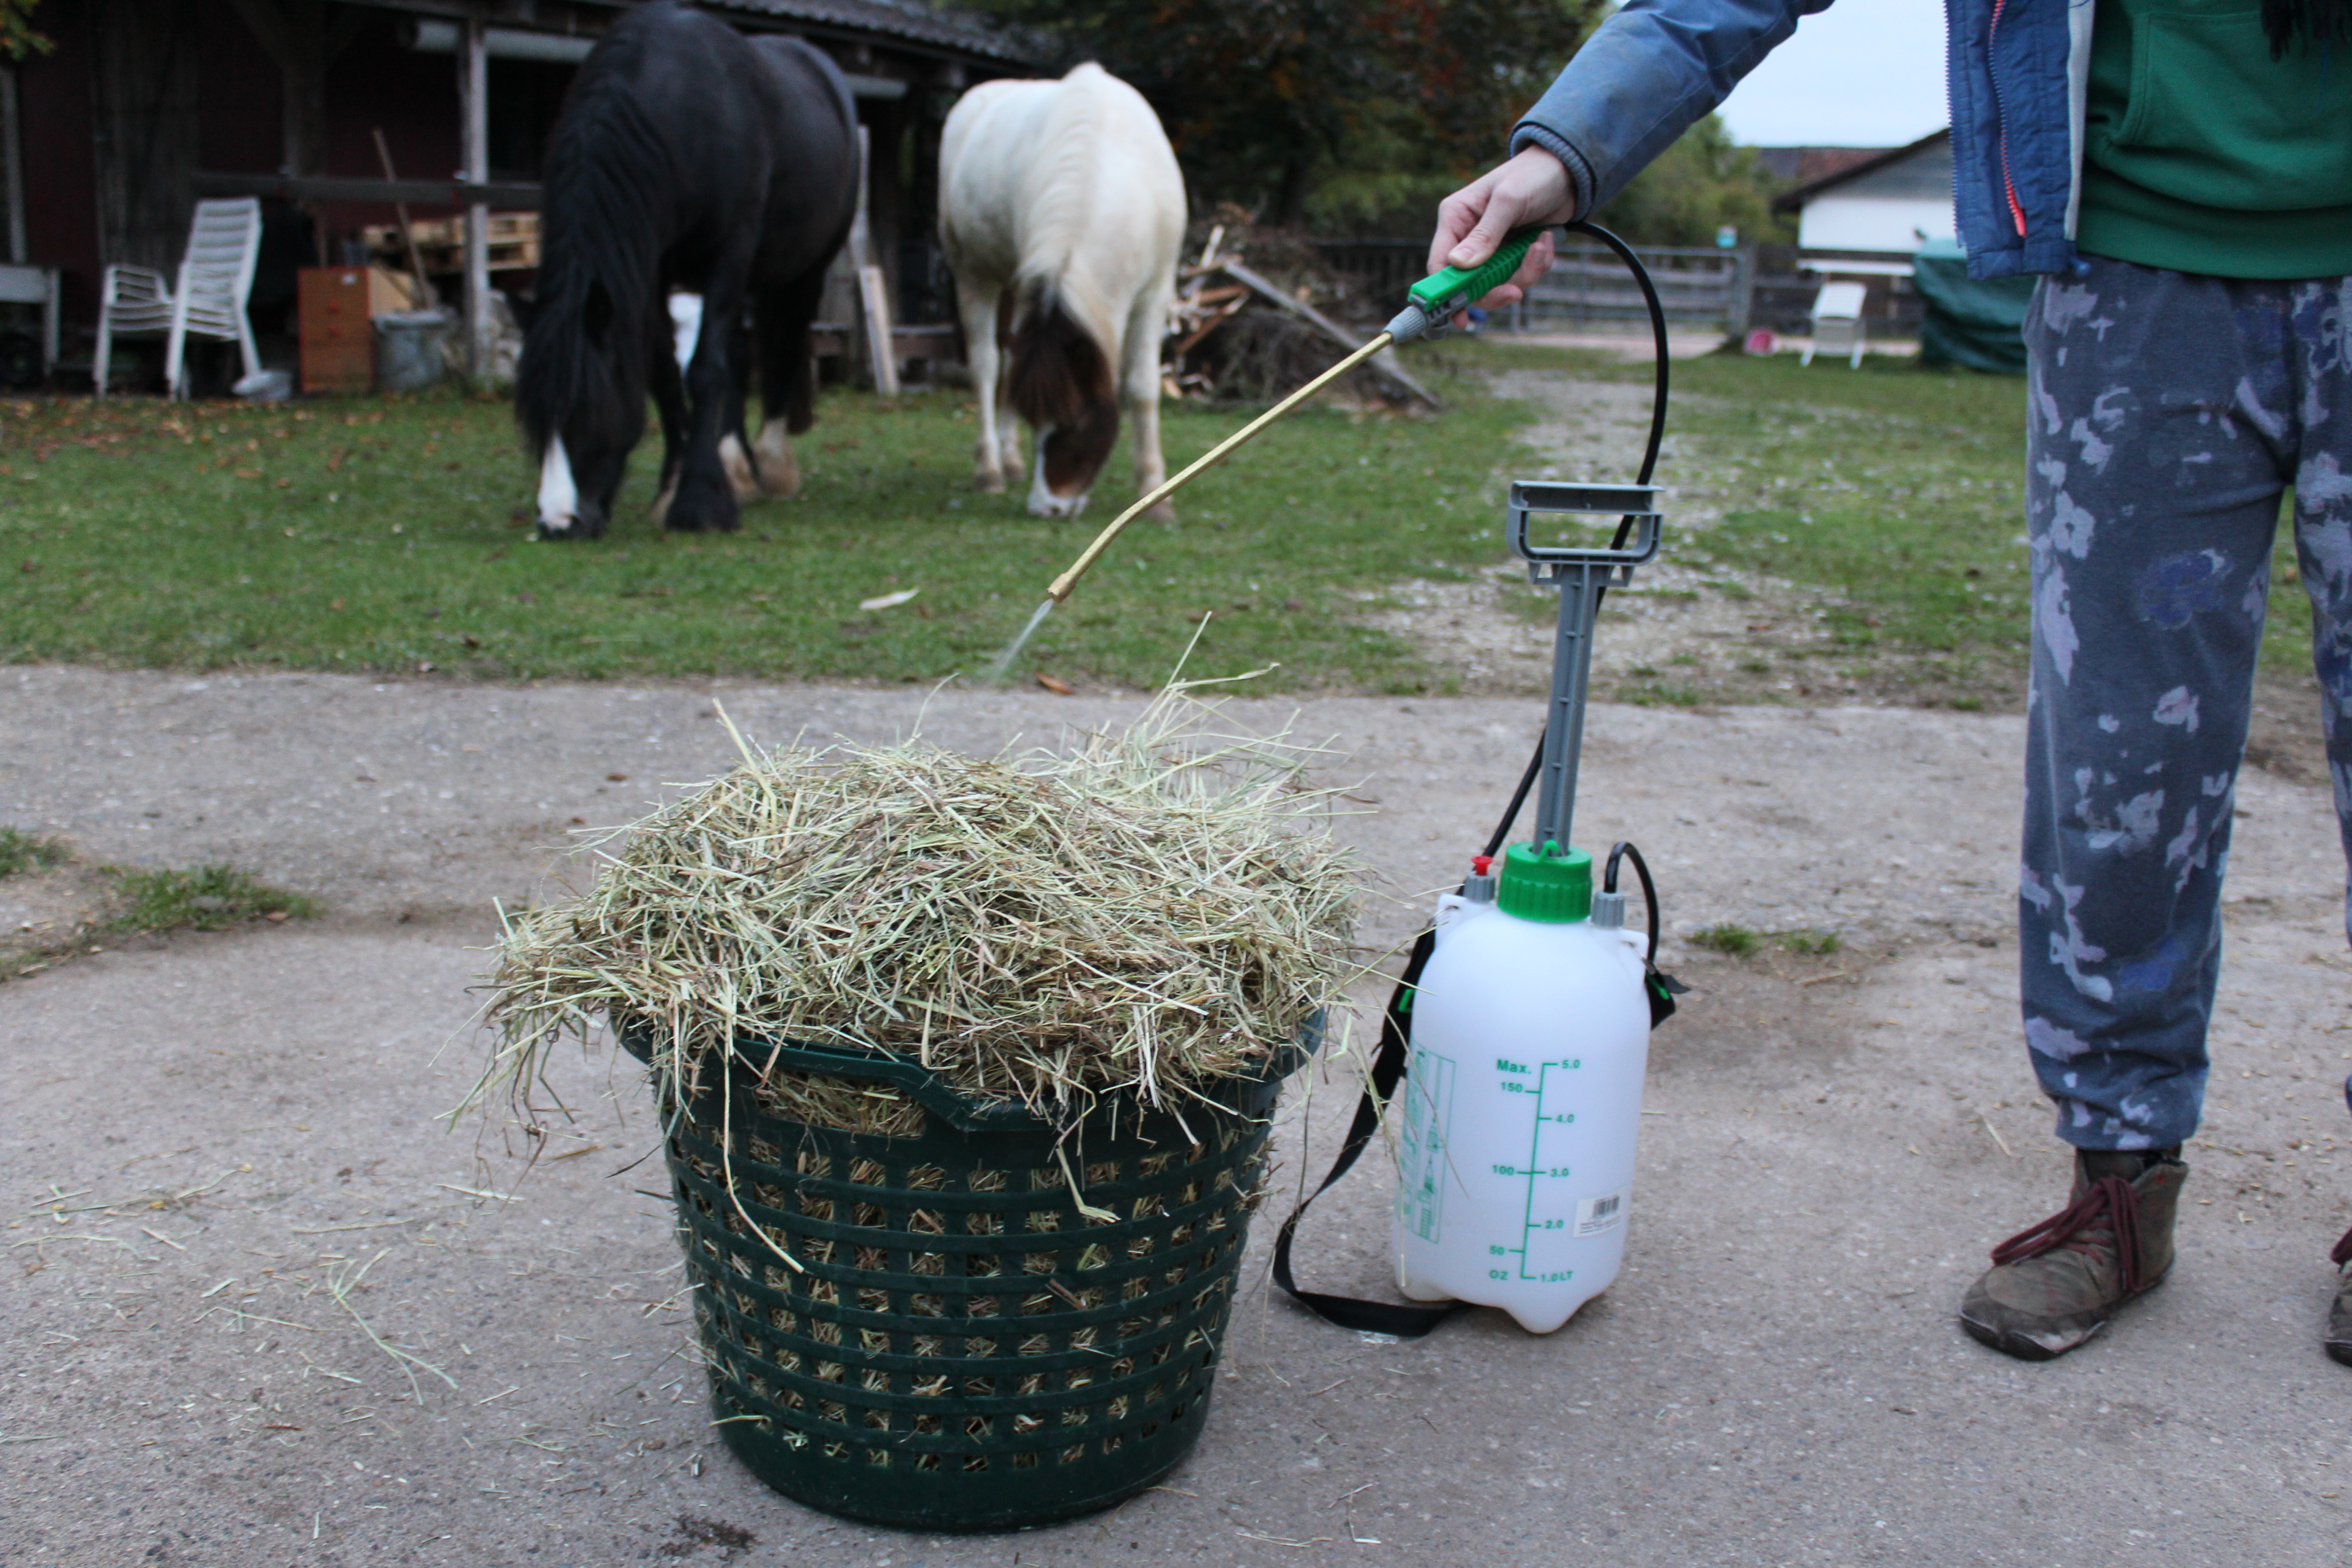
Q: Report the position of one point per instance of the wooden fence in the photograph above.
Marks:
(1588, 290)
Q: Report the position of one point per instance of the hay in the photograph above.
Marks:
(1148, 912)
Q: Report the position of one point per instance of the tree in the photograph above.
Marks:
(1703, 182)
(1337, 109)
(18, 38)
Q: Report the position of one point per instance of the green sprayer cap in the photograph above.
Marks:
(1553, 885)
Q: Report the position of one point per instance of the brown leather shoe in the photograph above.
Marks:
(2055, 1285)
(2338, 1342)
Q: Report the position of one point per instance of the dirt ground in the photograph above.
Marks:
(261, 1308)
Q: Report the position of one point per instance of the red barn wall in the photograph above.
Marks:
(60, 163)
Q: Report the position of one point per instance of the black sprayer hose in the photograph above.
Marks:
(1649, 890)
(1625, 527)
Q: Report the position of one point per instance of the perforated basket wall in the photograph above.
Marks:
(962, 1348)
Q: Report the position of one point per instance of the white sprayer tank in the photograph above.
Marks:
(1522, 1099)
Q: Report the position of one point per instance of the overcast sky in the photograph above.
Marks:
(1864, 73)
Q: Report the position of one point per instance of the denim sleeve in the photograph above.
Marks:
(1652, 72)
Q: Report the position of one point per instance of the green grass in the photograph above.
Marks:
(207, 897)
(1740, 942)
(23, 851)
(393, 535)
(1737, 940)
(1899, 489)
(1812, 943)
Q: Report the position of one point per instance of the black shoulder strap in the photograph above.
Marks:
(1406, 1322)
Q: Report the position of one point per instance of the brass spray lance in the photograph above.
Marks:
(1430, 301)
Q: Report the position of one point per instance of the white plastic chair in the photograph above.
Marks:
(216, 279)
(1837, 324)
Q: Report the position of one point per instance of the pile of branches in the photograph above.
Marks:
(1258, 314)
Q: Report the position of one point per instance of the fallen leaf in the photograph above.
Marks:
(334, 604)
(1058, 687)
(276, 917)
(885, 601)
(617, 778)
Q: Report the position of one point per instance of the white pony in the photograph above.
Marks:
(1062, 213)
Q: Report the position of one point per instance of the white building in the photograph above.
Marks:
(1872, 217)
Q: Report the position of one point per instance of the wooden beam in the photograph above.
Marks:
(474, 94)
(514, 194)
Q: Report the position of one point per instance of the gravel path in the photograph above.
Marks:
(1776, 1379)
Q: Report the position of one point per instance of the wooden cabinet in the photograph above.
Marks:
(337, 306)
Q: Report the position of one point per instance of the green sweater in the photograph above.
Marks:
(2203, 154)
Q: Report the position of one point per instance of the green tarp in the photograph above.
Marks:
(1967, 322)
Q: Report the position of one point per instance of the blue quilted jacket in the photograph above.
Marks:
(2018, 74)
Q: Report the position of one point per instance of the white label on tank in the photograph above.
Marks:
(1421, 1150)
(1594, 1215)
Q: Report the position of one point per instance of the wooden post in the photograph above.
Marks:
(474, 94)
(873, 286)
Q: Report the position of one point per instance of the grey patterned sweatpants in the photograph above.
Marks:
(2168, 413)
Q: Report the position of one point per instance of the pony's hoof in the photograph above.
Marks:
(659, 510)
(988, 484)
(1162, 511)
(780, 472)
(697, 509)
(738, 466)
(566, 526)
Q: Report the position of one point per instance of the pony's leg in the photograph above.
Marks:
(979, 308)
(1145, 331)
(669, 397)
(733, 447)
(705, 498)
(781, 317)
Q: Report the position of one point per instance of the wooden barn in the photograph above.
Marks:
(336, 113)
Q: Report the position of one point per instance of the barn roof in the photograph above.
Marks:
(1790, 200)
(930, 27)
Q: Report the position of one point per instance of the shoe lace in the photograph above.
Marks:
(2109, 1204)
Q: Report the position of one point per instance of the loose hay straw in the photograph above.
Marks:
(1150, 909)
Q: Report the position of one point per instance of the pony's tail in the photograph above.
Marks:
(1060, 373)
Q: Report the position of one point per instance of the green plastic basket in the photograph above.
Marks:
(961, 1348)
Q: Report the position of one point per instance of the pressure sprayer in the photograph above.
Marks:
(1514, 1050)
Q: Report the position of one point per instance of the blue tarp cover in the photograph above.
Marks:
(1968, 323)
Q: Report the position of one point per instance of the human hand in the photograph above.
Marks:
(1532, 187)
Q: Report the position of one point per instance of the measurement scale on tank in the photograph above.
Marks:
(1544, 1231)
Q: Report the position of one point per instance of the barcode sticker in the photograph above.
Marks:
(1594, 1215)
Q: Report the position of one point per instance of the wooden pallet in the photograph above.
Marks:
(441, 242)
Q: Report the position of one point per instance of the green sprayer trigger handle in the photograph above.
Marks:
(1442, 293)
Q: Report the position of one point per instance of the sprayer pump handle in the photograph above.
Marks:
(1441, 293)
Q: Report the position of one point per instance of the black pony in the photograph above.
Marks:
(688, 159)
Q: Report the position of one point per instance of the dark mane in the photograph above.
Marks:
(584, 359)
